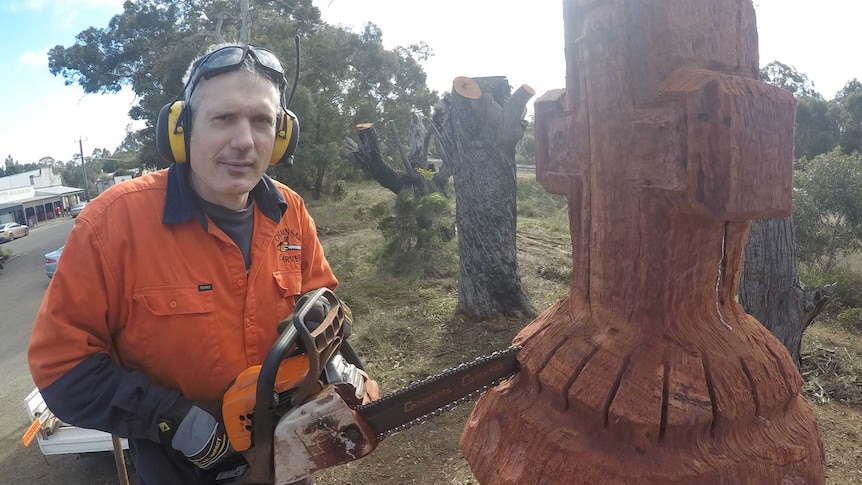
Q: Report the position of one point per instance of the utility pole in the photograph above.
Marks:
(84, 165)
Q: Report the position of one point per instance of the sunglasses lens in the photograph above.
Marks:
(267, 59)
(228, 56)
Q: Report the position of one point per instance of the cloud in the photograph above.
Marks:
(31, 60)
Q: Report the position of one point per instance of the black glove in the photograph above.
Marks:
(200, 436)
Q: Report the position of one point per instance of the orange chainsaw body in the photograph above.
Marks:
(239, 399)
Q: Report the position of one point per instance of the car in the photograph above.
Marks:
(76, 209)
(10, 230)
(51, 260)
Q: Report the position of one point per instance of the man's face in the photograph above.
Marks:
(233, 134)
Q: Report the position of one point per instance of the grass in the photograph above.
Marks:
(405, 331)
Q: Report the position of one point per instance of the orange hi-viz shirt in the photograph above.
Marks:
(149, 279)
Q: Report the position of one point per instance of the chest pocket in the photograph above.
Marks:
(162, 323)
(176, 301)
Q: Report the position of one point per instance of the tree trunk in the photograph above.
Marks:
(769, 288)
(245, 22)
(650, 372)
(480, 129)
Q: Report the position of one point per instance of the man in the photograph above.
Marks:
(173, 283)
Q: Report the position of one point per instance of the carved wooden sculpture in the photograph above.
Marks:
(667, 147)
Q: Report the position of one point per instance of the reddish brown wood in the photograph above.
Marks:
(467, 87)
(649, 371)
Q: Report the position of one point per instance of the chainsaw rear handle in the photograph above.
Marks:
(320, 345)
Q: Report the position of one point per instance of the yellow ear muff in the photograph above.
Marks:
(286, 138)
(170, 135)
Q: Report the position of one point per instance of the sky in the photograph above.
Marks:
(42, 117)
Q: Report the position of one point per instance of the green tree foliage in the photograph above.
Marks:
(12, 167)
(350, 78)
(816, 127)
(787, 77)
(345, 77)
(847, 106)
(820, 125)
(827, 211)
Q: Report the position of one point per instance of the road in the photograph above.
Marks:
(22, 285)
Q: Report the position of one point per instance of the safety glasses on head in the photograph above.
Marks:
(174, 121)
(230, 58)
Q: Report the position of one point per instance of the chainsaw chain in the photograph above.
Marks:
(448, 407)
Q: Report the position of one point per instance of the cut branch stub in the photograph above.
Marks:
(365, 154)
(467, 87)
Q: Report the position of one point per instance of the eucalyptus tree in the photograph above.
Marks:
(347, 79)
(343, 74)
(816, 127)
(789, 78)
(848, 108)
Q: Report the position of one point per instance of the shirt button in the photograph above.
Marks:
(240, 282)
(173, 303)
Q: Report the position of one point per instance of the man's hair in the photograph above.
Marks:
(248, 65)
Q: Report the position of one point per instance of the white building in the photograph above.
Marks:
(35, 197)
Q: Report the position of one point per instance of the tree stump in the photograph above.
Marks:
(480, 128)
(649, 371)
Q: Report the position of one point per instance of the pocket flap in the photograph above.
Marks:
(290, 282)
(176, 300)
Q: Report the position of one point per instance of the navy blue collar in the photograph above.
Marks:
(181, 203)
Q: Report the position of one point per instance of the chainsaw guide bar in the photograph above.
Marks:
(435, 395)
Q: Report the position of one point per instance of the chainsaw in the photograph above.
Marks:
(305, 408)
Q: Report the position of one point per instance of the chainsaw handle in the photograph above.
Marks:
(259, 457)
(319, 344)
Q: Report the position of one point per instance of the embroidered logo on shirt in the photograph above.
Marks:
(289, 244)
(205, 287)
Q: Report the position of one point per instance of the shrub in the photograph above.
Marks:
(339, 191)
(849, 282)
(417, 233)
(851, 319)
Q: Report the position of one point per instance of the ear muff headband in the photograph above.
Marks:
(170, 135)
(286, 138)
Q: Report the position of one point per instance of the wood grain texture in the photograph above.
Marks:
(649, 371)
